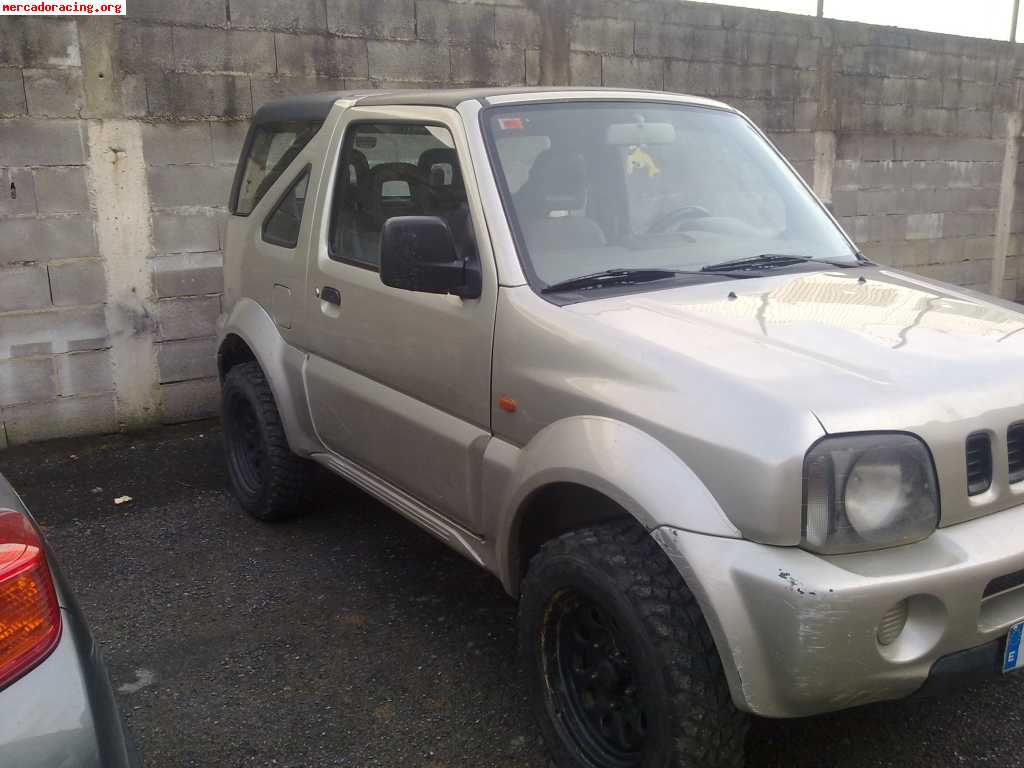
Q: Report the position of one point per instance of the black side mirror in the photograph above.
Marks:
(418, 253)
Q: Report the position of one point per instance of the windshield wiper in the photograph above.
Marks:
(620, 276)
(767, 261)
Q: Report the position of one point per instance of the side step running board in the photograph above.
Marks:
(454, 536)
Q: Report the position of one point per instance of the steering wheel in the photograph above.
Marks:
(664, 222)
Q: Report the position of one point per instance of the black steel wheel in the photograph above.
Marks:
(269, 481)
(622, 667)
(594, 681)
(247, 454)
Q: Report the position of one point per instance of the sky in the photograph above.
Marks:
(977, 18)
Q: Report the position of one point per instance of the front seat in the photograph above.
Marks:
(551, 205)
(448, 196)
(375, 207)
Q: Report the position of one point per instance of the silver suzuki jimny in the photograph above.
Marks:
(610, 347)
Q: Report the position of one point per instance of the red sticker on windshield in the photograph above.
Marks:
(510, 123)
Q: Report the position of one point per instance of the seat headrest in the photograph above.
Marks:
(558, 181)
(371, 192)
(441, 156)
(395, 172)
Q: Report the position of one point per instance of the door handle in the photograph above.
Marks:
(330, 295)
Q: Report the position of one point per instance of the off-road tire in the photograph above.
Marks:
(690, 720)
(269, 481)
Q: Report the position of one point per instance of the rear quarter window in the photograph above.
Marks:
(282, 226)
(269, 150)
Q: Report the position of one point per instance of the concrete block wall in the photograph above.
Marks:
(921, 140)
(189, 167)
(118, 139)
(55, 370)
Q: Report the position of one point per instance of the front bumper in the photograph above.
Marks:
(797, 632)
(963, 668)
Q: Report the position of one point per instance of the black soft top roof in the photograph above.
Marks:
(312, 107)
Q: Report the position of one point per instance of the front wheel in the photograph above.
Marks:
(623, 669)
(269, 481)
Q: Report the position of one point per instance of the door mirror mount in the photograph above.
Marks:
(418, 253)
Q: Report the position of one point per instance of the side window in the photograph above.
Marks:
(270, 151)
(395, 169)
(281, 227)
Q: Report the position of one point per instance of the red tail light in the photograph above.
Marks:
(29, 613)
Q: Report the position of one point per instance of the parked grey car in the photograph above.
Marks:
(609, 346)
(57, 707)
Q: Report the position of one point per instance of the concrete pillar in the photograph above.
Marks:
(120, 194)
(1007, 194)
(824, 163)
(554, 43)
(827, 118)
(119, 191)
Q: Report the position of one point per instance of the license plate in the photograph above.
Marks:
(1013, 658)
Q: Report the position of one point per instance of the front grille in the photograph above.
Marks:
(1015, 451)
(979, 463)
(1003, 583)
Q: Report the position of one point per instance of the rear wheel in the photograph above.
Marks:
(623, 670)
(269, 481)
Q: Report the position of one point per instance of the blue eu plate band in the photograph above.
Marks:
(1012, 657)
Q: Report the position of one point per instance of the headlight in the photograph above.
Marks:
(868, 492)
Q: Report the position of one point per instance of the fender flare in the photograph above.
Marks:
(629, 466)
(281, 363)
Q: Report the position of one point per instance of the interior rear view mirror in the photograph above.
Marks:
(630, 134)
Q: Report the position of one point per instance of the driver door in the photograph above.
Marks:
(399, 381)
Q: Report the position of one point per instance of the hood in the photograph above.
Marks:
(862, 349)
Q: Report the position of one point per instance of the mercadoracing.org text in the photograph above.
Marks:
(68, 9)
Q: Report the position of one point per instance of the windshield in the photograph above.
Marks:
(636, 185)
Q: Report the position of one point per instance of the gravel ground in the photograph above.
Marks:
(349, 637)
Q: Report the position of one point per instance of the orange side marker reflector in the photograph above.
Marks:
(507, 404)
